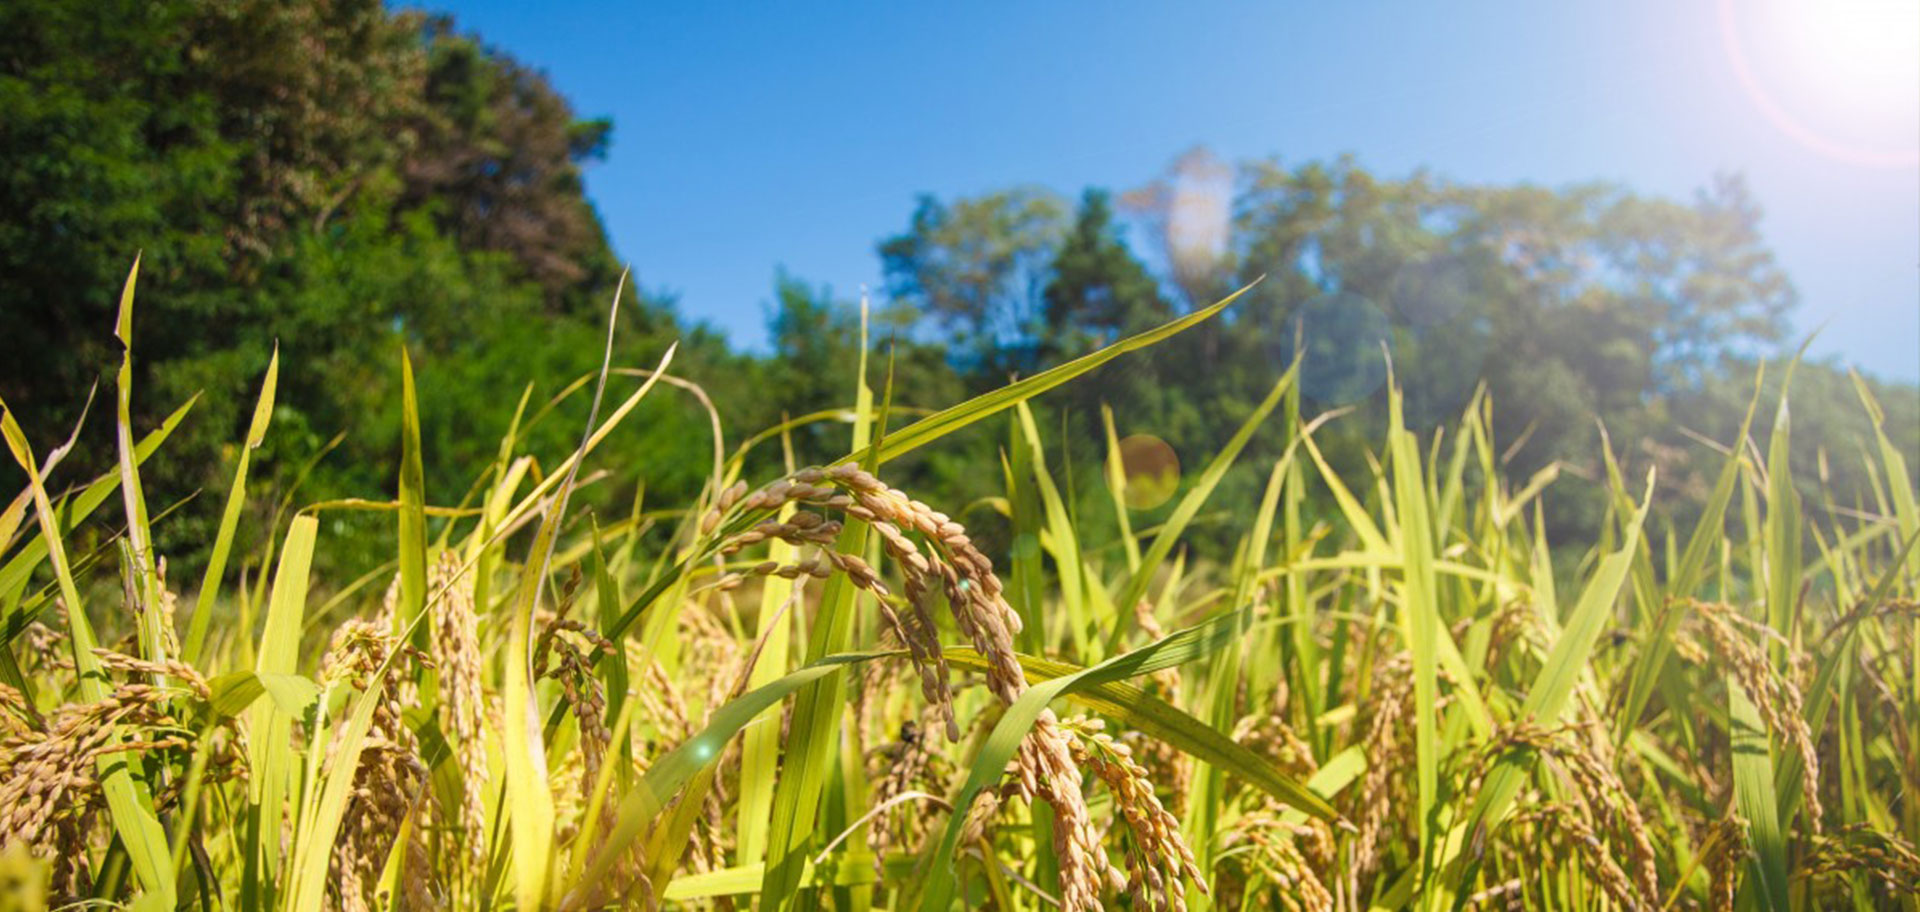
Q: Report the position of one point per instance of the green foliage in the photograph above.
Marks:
(977, 267)
(1572, 307)
(1671, 736)
(335, 177)
(398, 210)
(1097, 291)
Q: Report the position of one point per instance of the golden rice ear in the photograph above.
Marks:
(1775, 694)
(951, 565)
(50, 790)
(455, 650)
(1159, 863)
(391, 798)
(1564, 827)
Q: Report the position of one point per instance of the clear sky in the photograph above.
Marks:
(749, 136)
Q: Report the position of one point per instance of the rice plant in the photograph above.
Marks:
(814, 691)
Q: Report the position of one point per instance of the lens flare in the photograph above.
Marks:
(1434, 299)
(1341, 338)
(1432, 292)
(1841, 77)
(1151, 469)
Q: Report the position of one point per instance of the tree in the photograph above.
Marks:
(333, 177)
(498, 162)
(1187, 211)
(976, 267)
(1572, 306)
(1097, 292)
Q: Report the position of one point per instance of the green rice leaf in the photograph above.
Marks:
(413, 504)
(940, 424)
(991, 763)
(1189, 506)
(129, 803)
(1133, 708)
(194, 649)
(674, 769)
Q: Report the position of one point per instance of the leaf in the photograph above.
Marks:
(940, 424)
(672, 770)
(143, 587)
(413, 504)
(818, 710)
(853, 870)
(1133, 708)
(991, 763)
(1754, 797)
(1116, 478)
(1420, 620)
(1190, 504)
(236, 691)
(1063, 541)
(270, 752)
(760, 754)
(1783, 519)
(530, 803)
(129, 803)
(230, 517)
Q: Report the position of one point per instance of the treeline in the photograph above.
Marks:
(1580, 317)
(332, 177)
(343, 180)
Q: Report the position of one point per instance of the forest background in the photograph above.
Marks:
(340, 180)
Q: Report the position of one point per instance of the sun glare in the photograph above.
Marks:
(1840, 76)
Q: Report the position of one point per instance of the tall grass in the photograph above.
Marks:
(814, 691)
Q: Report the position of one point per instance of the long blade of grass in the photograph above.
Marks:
(1549, 696)
(412, 519)
(230, 517)
(1783, 519)
(1189, 506)
(674, 769)
(760, 753)
(991, 762)
(129, 803)
(1065, 543)
(818, 710)
(270, 751)
(1420, 619)
(940, 424)
(143, 582)
(1116, 478)
(1135, 709)
(1363, 526)
(531, 804)
(1755, 799)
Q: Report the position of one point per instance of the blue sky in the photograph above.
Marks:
(750, 136)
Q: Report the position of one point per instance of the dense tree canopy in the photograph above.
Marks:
(333, 178)
(1575, 308)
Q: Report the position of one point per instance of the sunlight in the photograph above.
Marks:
(1841, 77)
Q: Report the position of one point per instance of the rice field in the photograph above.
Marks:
(814, 691)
